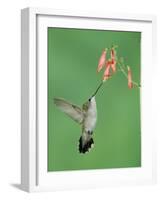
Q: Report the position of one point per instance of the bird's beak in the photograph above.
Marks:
(100, 85)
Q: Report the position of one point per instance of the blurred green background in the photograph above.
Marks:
(73, 56)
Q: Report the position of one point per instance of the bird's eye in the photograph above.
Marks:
(89, 99)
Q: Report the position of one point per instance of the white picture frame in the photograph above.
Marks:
(34, 175)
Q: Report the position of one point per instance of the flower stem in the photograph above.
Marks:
(125, 74)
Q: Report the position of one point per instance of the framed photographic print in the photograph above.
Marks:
(87, 117)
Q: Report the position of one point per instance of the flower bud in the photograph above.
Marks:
(102, 60)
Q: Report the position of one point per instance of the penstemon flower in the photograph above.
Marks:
(102, 60)
(113, 60)
(129, 77)
(110, 67)
(107, 74)
(113, 54)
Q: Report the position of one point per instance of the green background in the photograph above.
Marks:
(73, 56)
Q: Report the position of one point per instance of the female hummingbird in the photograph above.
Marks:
(86, 116)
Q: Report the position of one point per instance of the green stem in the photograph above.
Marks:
(125, 74)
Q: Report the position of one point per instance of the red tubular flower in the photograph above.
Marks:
(102, 60)
(113, 53)
(107, 74)
(113, 66)
(113, 60)
(129, 77)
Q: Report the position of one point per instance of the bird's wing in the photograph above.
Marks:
(71, 110)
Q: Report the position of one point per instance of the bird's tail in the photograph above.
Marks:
(85, 146)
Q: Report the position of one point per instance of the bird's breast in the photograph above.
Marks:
(90, 118)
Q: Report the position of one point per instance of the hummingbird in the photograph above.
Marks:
(85, 116)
